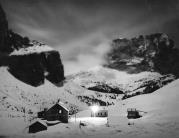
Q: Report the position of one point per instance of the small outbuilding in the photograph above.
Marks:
(41, 114)
(132, 113)
(101, 112)
(37, 125)
(57, 112)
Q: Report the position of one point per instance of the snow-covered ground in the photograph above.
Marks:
(160, 119)
(36, 47)
(104, 79)
(16, 96)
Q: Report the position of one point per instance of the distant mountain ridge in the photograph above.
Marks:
(109, 81)
(155, 52)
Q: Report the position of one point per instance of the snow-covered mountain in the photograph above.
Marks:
(28, 60)
(98, 85)
(26, 63)
(32, 78)
(35, 63)
(159, 110)
(18, 97)
(108, 80)
(34, 47)
(159, 118)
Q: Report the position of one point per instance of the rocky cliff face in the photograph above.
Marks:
(155, 52)
(35, 67)
(3, 29)
(29, 61)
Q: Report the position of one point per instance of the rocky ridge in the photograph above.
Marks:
(28, 60)
(155, 52)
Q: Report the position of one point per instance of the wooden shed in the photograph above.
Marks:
(37, 125)
(57, 112)
(132, 113)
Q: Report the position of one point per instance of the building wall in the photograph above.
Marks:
(133, 114)
(36, 127)
(100, 113)
(57, 112)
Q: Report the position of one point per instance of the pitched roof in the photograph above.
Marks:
(60, 104)
(38, 120)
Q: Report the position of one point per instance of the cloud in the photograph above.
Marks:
(86, 60)
(85, 53)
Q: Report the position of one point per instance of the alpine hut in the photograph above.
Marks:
(57, 112)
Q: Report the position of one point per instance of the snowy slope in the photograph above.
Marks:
(160, 113)
(161, 119)
(36, 47)
(112, 81)
(163, 102)
(16, 95)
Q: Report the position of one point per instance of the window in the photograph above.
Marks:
(60, 111)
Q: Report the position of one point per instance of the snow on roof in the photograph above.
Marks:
(35, 48)
(38, 120)
(61, 104)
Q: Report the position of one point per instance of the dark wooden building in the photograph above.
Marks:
(37, 125)
(57, 112)
(132, 113)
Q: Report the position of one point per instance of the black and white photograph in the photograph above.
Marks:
(89, 68)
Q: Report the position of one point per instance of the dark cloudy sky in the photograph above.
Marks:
(82, 29)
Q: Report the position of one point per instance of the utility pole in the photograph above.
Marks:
(24, 113)
(75, 115)
(107, 115)
(107, 107)
(75, 108)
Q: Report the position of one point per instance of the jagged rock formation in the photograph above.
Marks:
(29, 61)
(155, 52)
(104, 87)
(8, 39)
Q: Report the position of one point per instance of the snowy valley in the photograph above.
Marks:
(158, 109)
(139, 73)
